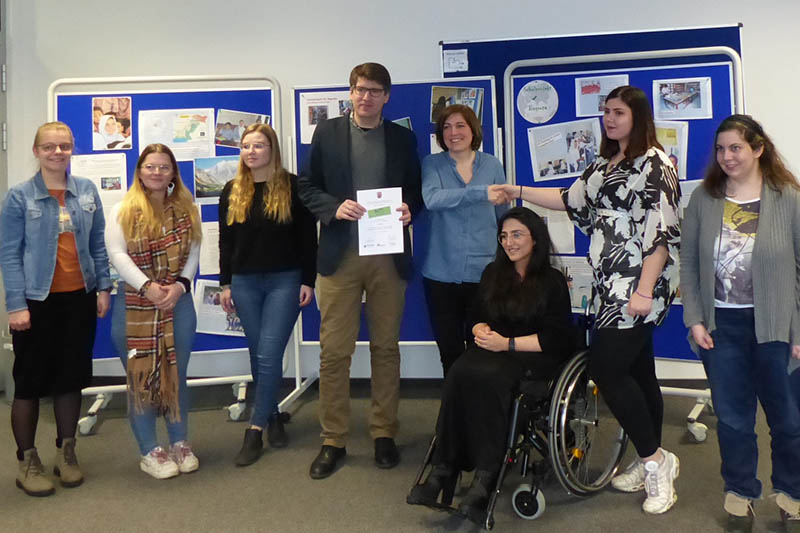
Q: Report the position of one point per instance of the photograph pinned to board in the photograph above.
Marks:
(111, 123)
(559, 227)
(579, 279)
(108, 172)
(210, 176)
(563, 150)
(537, 101)
(674, 137)
(442, 96)
(405, 122)
(681, 99)
(316, 107)
(187, 132)
(591, 93)
(231, 126)
(211, 318)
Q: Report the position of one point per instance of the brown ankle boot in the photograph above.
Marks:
(30, 477)
(66, 467)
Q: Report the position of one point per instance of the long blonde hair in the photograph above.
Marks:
(137, 213)
(277, 193)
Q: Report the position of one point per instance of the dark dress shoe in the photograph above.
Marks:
(251, 448)
(474, 503)
(386, 453)
(442, 480)
(325, 463)
(276, 433)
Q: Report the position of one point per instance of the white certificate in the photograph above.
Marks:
(380, 230)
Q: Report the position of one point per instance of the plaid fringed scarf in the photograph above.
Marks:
(152, 370)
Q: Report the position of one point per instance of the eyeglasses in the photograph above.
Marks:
(255, 146)
(157, 168)
(363, 91)
(515, 236)
(51, 147)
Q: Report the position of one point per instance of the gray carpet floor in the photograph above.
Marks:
(277, 495)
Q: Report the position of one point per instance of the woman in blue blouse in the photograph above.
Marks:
(461, 189)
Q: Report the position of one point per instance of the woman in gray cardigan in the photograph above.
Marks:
(740, 285)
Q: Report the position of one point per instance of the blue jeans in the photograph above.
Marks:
(740, 372)
(184, 326)
(267, 304)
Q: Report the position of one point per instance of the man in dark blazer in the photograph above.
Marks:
(359, 151)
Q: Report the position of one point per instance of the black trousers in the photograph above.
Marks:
(448, 307)
(622, 365)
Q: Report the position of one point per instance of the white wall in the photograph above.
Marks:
(318, 41)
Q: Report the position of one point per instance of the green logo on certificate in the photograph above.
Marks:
(379, 212)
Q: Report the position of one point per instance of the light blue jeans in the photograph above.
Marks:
(267, 304)
(184, 325)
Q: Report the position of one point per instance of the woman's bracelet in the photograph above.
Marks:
(512, 344)
(520, 192)
(143, 288)
(643, 295)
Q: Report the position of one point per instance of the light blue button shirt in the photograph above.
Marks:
(463, 223)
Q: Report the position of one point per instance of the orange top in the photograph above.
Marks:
(67, 276)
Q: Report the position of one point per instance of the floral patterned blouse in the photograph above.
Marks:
(628, 211)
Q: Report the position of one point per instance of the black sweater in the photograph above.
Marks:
(261, 244)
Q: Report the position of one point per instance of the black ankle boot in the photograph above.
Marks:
(276, 433)
(251, 447)
(473, 504)
(442, 479)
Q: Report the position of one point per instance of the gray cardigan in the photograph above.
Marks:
(775, 263)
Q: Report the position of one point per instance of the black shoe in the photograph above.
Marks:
(442, 480)
(251, 447)
(386, 453)
(276, 433)
(473, 504)
(325, 463)
(739, 524)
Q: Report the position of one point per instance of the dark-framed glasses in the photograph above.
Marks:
(51, 147)
(372, 91)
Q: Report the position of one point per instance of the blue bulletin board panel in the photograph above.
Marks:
(410, 100)
(491, 57)
(75, 109)
(497, 56)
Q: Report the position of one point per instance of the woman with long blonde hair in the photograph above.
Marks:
(268, 255)
(153, 239)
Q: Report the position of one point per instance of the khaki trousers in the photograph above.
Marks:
(340, 308)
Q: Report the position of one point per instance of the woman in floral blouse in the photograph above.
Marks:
(627, 202)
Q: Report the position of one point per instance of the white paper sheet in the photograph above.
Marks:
(210, 316)
(188, 132)
(209, 249)
(316, 107)
(108, 172)
(560, 227)
(380, 230)
(579, 279)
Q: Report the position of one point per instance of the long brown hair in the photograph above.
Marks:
(772, 167)
(277, 193)
(136, 206)
(643, 132)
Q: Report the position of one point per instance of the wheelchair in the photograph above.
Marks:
(566, 423)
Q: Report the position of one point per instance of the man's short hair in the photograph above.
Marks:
(372, 72)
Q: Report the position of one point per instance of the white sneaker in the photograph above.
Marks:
(158, 464)
(181, 453)
(632, 479)
(658, 483)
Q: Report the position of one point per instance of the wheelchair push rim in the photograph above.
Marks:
(586, 443)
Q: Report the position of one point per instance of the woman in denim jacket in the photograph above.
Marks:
(54, 262)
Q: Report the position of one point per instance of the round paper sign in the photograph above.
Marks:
(537, 102)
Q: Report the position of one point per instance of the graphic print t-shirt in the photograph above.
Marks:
(734, 252)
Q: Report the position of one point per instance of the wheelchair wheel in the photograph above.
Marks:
(585, 441)
(525, 504)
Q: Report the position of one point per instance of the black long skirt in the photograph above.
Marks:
(476, 403)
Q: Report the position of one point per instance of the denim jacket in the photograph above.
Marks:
(29, 239)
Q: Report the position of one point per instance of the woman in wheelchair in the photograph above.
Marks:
(522, 323)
